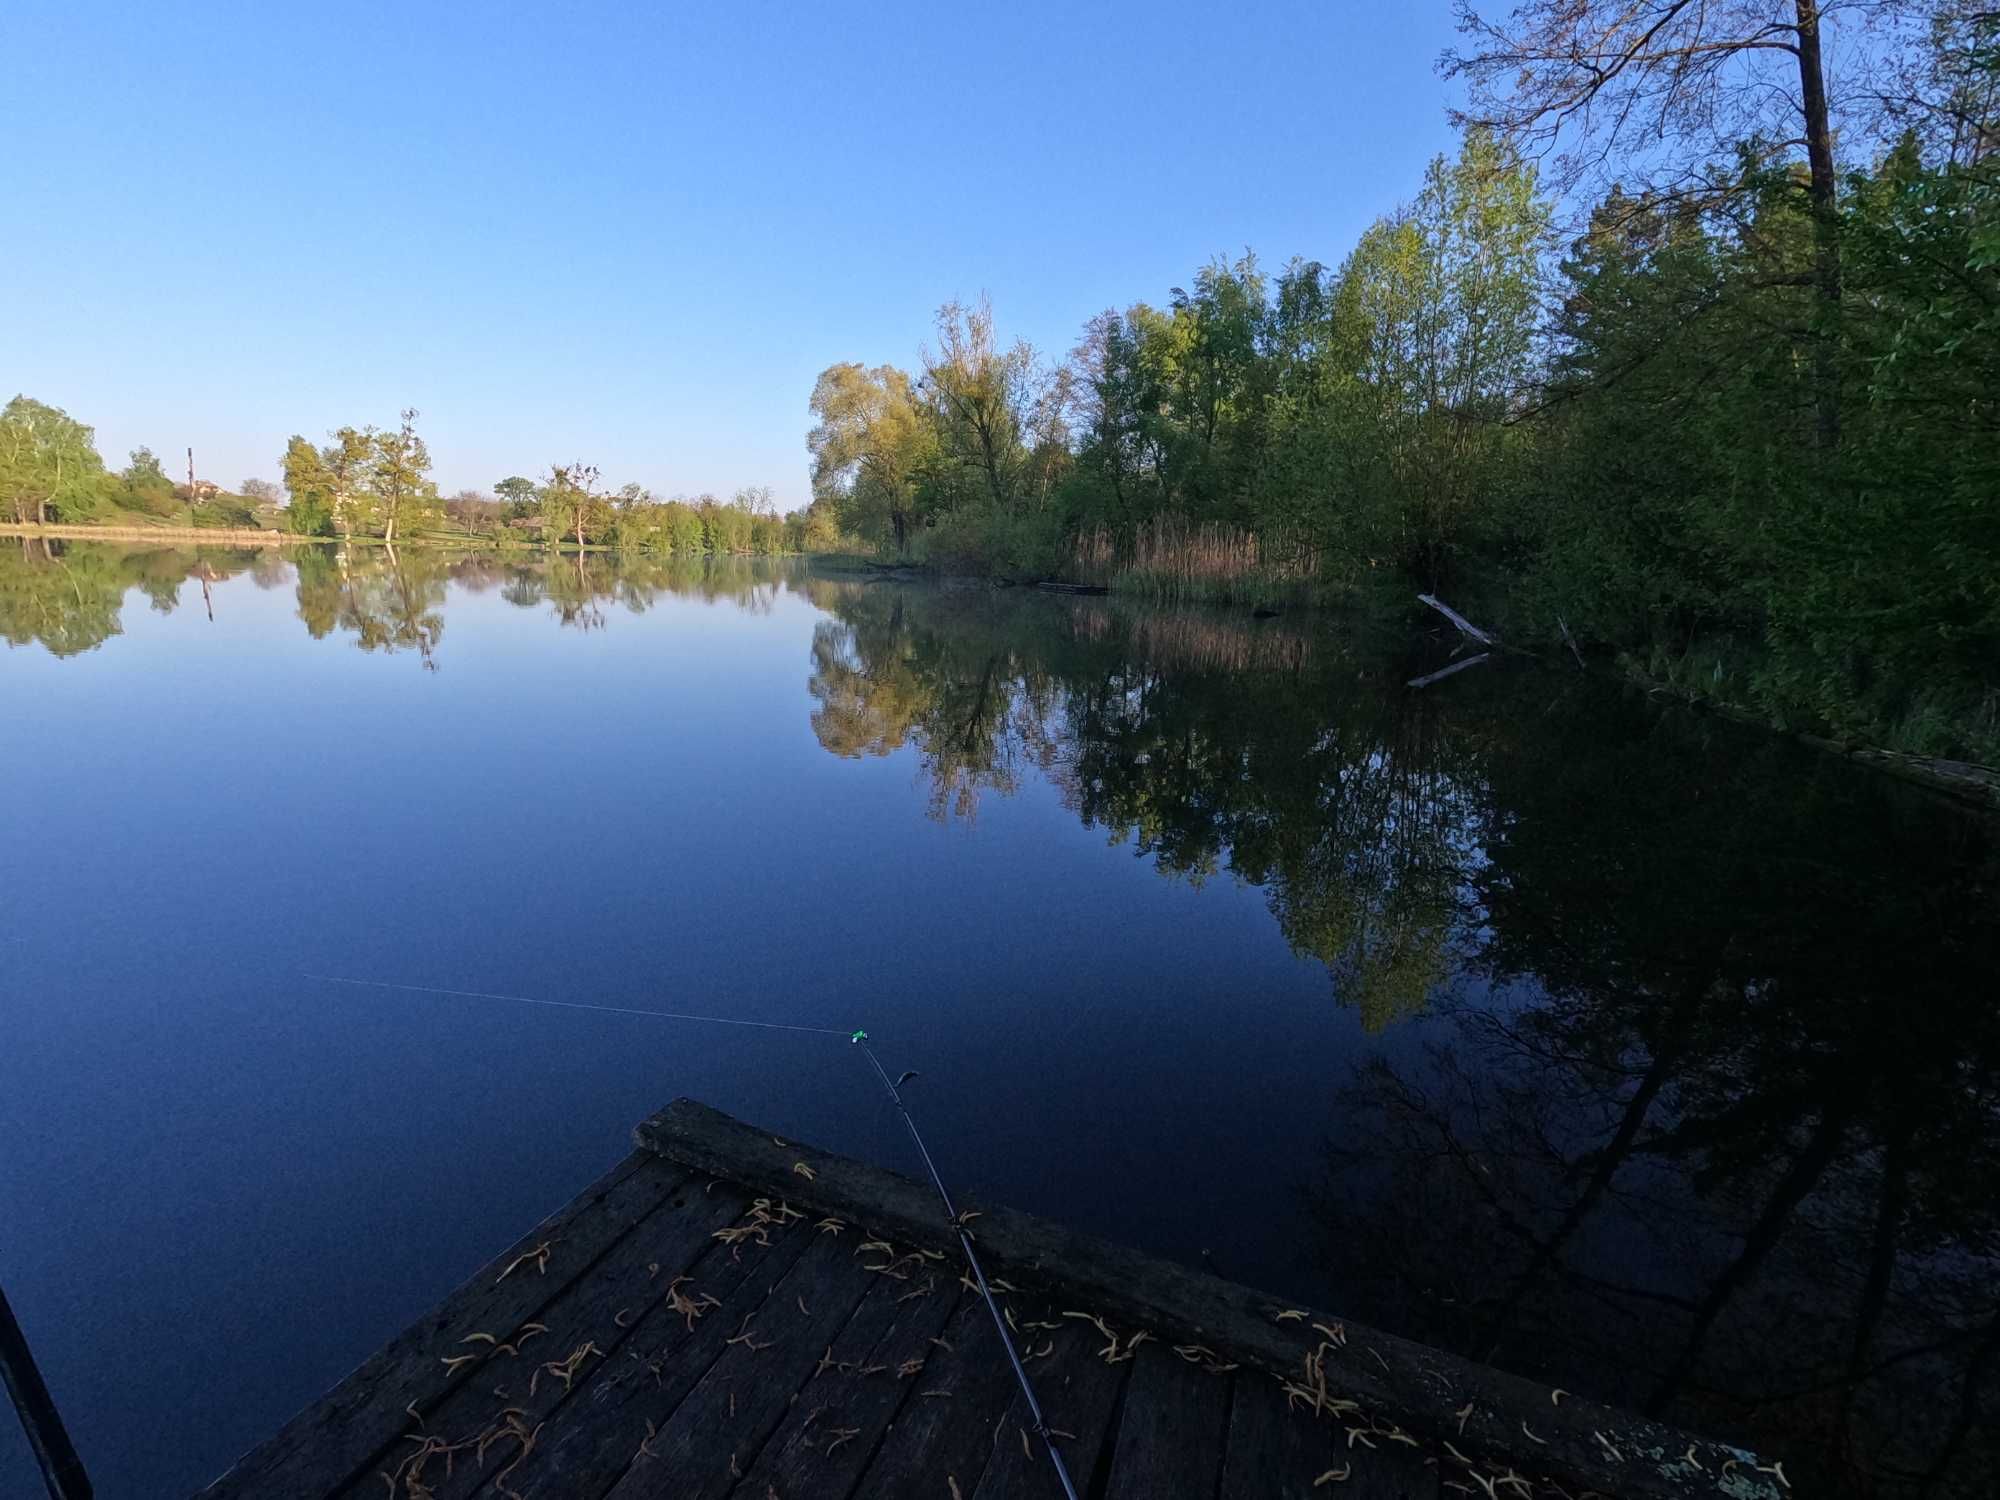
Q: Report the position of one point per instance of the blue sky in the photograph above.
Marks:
(634, 234)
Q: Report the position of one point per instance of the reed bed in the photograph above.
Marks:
(1178, 561)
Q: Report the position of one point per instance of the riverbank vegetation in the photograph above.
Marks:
(374, 484)
(1689, 352)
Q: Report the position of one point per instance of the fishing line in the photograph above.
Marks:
(857, 1038)
(609, 1010)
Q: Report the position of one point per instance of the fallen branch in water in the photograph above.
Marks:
(1457, 666)
(1570, 641)
(1465, 626)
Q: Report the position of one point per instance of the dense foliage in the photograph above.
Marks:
(1735, 426)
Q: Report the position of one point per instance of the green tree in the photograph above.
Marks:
(145, 485)
(978, 393)
(517, 494)
(310, 485)
(572, 504)
(348, 461)
(397, 468)
(868, 447)
(49, 465)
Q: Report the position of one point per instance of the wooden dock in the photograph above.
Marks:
(725, 1313)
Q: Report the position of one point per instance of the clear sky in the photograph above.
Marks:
(633, 234)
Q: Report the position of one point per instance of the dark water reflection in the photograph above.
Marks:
(1615, 1045)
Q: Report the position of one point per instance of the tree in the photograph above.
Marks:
(978, 393)
(398, 464)
(347, 461)
(1671, 89)
(146, 485)
(868, 447)
(572, 505)
(517, 494)
(472, 510)
(310, 511)
(261, 492)
(47, 459)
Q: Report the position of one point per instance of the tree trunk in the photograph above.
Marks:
(1826, 229)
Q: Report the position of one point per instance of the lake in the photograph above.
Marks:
(1625, 1047)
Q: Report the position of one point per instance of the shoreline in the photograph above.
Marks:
(60, 533)
(1965, 782)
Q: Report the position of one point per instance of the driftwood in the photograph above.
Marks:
(1570, 641)
(1457, 666)
(1465, 626)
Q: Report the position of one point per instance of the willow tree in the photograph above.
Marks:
(979, 394)
(868, 446)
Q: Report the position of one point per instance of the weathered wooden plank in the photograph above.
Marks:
(880, 1362)
(1274, 1453)
(524, 1380)
(346, 1431)
(721, 1426)
(943, 1436)
(1078, 1391)
(600, 1434)
(1395, 1382)
(1172, 1429)
(1279, 1452)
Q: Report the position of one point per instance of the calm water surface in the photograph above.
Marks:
(1622, 1047)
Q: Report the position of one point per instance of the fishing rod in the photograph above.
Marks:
(978, 1272)
(856, 1038)
(62, 1470)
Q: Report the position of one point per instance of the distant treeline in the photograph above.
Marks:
(1736, 422)
(375, 482)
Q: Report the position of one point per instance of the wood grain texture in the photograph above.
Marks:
(341, 1436)
(1397, 1383)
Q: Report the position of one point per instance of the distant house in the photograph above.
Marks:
(206, 489)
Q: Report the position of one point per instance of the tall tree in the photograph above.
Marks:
(868, 446)
(398, 466)
(347, 461)
(979, 392)
(310, 486)
(1669, 90)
